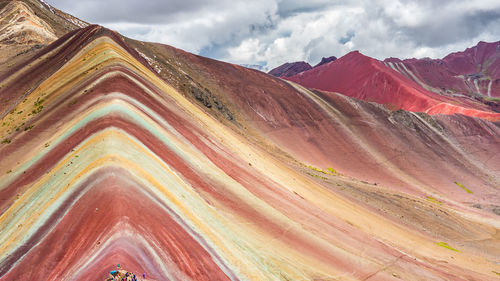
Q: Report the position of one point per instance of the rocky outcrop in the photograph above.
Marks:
(325, 60)
(205, 96)
(20, 26)
(293, 68)
(290, 69)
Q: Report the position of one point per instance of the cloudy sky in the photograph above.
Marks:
(272, 32)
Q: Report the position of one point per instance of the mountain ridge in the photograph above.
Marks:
(369, 79)
(188, 168)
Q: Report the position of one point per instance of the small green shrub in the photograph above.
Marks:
(331, 170)
(463, 187)
(317, 176)
(37, 110)
(433, 200)
(445, 245)
(38, 101)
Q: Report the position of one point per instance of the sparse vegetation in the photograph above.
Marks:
(492, 99)
(445, 245)
(463, 187)
(37, 110)
(28, 127)
(330, 171)
(38, 104)
(39, 101)
(317, 176)
(6, 140)
(433, 200)
(391, 107)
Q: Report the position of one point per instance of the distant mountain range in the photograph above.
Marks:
(464, 82)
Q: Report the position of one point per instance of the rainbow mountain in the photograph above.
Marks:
(187, 168)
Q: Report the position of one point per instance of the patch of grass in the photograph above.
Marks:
(497, 273)
(8, 172)
(433, 200)
(317, 176)
(463, 187)
(38, 104)
(37, 110)
(6, 140)
(330, 171)
(316, 169)
(391, 107)
(38, 101)
(445, 245)
(29, 127)
(493, 99)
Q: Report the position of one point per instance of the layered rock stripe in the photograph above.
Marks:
(104, 162)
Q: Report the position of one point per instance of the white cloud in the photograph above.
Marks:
(278, 31)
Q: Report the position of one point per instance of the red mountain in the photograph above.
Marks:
(474, 73)
(431, 86)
